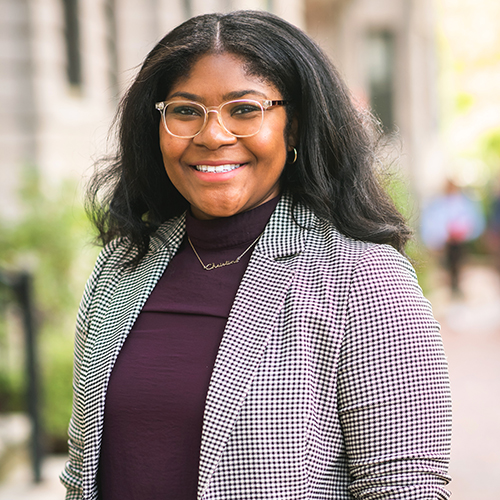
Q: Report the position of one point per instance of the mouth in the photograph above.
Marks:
(218, 169)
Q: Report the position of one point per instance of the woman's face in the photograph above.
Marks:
(260, 159)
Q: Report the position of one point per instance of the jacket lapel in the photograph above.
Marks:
(258, 303)
(128, 290)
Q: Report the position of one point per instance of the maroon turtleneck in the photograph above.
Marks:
(156, 394)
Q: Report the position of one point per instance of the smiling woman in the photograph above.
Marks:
(252, 329)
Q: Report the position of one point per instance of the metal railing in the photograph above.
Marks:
(21, 286)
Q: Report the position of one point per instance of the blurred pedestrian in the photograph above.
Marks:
(448, 223)
(493, 227)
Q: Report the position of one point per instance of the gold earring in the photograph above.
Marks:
(295, 154)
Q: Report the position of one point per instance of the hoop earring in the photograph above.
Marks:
(295, 154)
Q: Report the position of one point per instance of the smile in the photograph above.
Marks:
(219, 169)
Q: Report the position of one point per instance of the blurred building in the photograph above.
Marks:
(65, 63)
(385, 50)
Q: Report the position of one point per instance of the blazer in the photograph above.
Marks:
(330, 381)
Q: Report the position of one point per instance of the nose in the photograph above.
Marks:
(214, 135)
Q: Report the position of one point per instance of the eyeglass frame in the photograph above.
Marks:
(161, 106)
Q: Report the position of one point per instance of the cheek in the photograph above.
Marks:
(163, 146)
(171, 151)
(271, 148)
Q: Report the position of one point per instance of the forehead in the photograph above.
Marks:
(217, 76)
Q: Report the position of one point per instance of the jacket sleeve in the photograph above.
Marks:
(393, 387)
(71, 477)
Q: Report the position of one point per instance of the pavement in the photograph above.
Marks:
(19, 484)
(471, 336)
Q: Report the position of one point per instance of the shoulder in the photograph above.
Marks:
(114, 257)
(297, 230)
(113, 260)
(371, 277)
(358, 256)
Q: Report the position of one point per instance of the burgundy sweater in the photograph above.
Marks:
(156, 394)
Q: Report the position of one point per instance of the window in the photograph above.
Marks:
(380, 70)
(188, 8)
(111, 46)
(72, 36)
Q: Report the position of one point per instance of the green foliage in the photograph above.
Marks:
(490, 150)
(11, 391)
(400, 192)
(57, 351)
(464, 102)
(51, 239)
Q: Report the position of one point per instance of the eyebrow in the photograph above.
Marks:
(237, 94)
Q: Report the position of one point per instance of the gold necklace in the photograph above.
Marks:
(212, 265)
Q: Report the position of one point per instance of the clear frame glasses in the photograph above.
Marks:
(241, 117)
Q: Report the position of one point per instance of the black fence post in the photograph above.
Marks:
(24, 290)
(21, 284)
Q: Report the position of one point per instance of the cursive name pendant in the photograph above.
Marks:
(213, 265)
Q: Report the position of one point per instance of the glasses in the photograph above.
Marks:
(241, 118)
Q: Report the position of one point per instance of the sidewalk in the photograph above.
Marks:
(19, 485)
(471, 336)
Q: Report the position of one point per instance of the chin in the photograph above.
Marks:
(212, 212)
(223, 207)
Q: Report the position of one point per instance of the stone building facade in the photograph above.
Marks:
(385, 49)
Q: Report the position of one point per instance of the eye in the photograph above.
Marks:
(185, 111)
(245, 110)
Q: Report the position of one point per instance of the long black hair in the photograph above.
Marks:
(335, 173)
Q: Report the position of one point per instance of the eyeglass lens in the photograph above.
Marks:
(240, 118)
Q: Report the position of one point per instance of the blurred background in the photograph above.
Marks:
(428, 69)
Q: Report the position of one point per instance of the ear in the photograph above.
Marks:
(293, 135)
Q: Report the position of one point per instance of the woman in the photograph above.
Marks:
(248, 331)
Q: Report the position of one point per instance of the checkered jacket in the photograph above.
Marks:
(330, 381)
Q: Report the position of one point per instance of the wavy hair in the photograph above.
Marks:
(335, 173)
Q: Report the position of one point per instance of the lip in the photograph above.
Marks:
(218, 162)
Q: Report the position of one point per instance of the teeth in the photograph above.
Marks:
(219, 169)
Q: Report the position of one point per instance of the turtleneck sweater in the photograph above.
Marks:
(156, 393)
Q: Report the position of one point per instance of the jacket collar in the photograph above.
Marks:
(282, 239)
(284, 236)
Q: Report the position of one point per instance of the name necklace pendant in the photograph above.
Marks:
(213, 265)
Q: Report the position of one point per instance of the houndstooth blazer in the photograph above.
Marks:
(330, 381)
